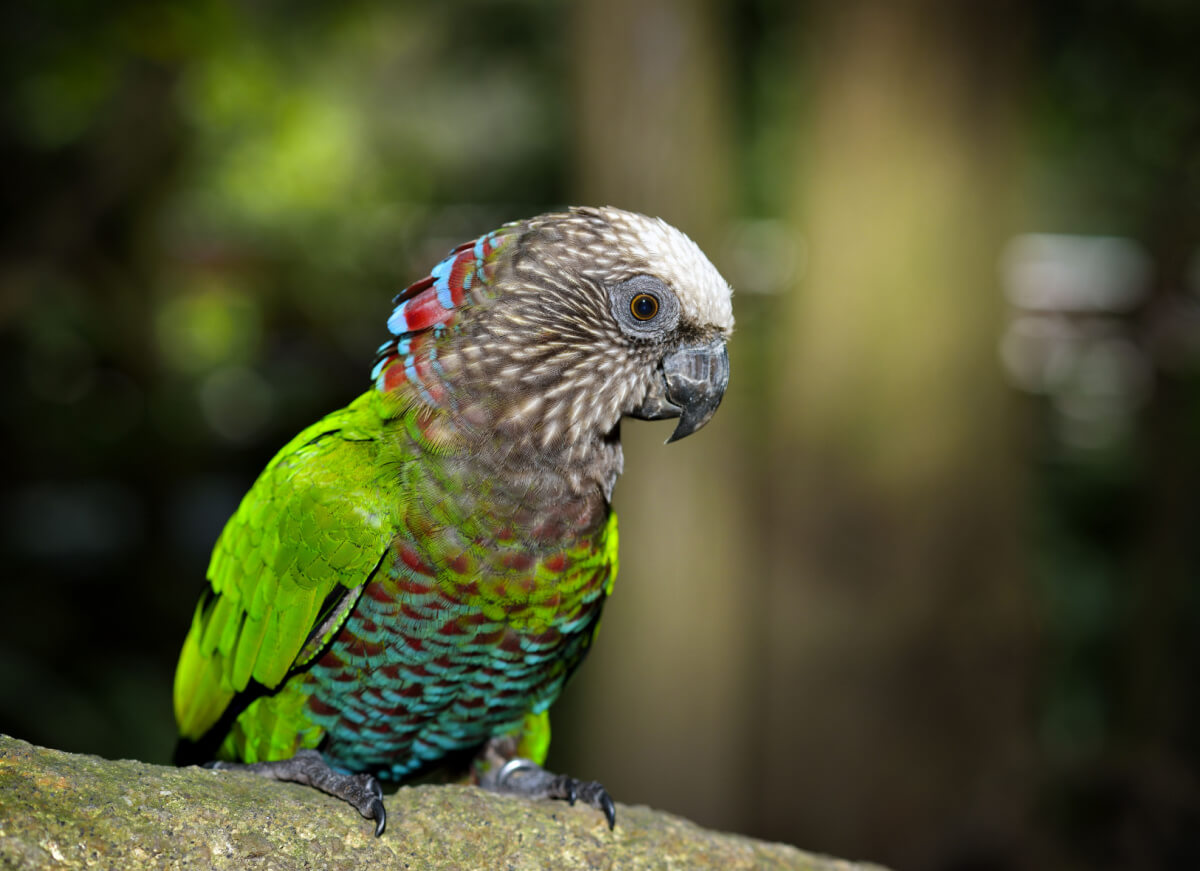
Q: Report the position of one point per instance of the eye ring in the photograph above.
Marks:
(644, 306)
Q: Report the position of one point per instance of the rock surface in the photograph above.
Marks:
(60, 810)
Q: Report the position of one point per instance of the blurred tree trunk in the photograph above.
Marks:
(901, 616)
(665, 694)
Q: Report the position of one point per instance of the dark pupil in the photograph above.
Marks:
(644, 306)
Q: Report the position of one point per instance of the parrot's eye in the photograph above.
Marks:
(643, 306)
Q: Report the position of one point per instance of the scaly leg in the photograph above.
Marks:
(309, 767)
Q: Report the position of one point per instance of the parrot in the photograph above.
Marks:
(410, 581)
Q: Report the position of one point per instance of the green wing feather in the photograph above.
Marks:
(318, 519)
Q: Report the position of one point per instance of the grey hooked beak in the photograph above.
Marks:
(690, 387)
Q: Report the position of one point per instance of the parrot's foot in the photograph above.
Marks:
(309, 767)
(524, 777)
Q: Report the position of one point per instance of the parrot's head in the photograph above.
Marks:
(560, 325)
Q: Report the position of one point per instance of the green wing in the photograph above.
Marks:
(317, 522)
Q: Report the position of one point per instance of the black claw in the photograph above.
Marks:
(379, 814)
(610, 810)
(371, 805)
(597, 796)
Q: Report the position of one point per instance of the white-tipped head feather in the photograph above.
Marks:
(545, 355)
(704, 296)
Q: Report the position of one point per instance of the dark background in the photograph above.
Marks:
(925, 591)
